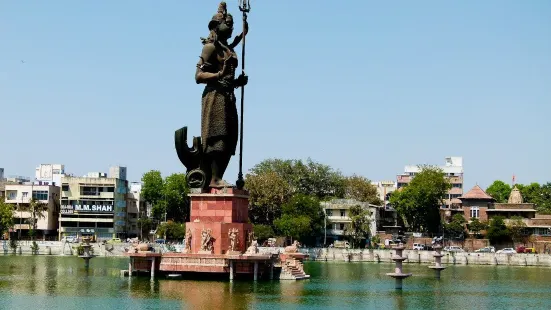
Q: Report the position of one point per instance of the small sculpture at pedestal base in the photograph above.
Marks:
(253, 249)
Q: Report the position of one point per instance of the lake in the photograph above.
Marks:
(50, 282)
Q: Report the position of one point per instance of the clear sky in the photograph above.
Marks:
(364, 86)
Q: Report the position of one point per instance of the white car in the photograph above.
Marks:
(453, 248)
(506, 251)
(488, 249)
(418, 246)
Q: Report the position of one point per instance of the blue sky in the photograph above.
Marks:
(364, 86)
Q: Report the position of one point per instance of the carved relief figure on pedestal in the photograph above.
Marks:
(250, 238)
(206, 240)
(233, 236)
(188, 240)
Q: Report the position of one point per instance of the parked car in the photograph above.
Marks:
(488, 249)
(453, 248)
(522, 249)
(506, 251)
(418, 246)
(114, 240)
(341, 244)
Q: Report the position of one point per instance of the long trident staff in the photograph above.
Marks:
(245, 7)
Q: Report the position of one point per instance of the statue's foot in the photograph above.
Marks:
(219, 184)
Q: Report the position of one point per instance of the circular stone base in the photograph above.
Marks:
(399, 275)
(437, 268)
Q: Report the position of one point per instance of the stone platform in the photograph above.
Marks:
(218, 234)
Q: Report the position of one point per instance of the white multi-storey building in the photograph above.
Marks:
(453, 168)
(50, 174)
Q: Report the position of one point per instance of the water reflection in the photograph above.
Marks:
(64, 283)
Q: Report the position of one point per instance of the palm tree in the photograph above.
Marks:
(37, 210)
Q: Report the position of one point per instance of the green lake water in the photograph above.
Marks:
(48, 282)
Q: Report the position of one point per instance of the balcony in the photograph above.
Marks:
(335, 232)
(340, 219)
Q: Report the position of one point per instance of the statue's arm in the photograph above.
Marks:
(238, 38)
(203, 77)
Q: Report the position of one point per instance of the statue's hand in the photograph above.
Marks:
(241, 80)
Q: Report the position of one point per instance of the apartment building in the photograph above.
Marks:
(94, 205)
(20, 195)
(453, 168)
(384, 189)
(337, 217)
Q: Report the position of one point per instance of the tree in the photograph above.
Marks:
(517, 229)
(544, 203)
(145, 225)
(497, 231)
(295, 227)
(456, 228)
(36, 209)
(419, 202)
(359, 228)
(267, 192)
(500, 191)
(477, 226)
(263, 232)
(360, 188)
(310, 178)
(302, 217)
(6, 217)
(152, 193)
(172, 230)
(176, 195)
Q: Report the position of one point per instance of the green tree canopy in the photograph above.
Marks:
(358, 229)
(267, 192)
(263, 232)
(500, 191)
(419, 202)
(360, 188)
(310, 178)
(153, 193)
(476, 226)
(517, 228)
(497, 231)
(177, 201)
(302, 217)
(6, 217)
(172, 230)
(456, 228)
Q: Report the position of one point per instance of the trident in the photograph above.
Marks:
(245, 7)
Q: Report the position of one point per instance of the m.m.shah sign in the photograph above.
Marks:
(75, 209)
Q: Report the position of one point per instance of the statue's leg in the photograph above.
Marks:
(218, 164)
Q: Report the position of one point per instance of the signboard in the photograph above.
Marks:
(76, 209)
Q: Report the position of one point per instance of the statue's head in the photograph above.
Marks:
(222, 22)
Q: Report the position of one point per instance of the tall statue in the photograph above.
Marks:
(188, 240)
(207, 161)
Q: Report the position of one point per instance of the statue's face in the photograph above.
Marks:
(225, 28)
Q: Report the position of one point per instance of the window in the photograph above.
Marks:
(65, 187)
(25, 194)
(12, 195)
(343, 213)
(40, 195)
(475, 212)
(329, 212)
(455, 196)
(457, 185)
(341, 226)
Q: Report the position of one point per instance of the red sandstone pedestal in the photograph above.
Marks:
(220, 210)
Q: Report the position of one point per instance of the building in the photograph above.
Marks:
(384, 189)
(453, 168)
(337, 218)
(144, 209)
(94, 205)
(476, 203)
(1, 174)
(18, 179)
(49, 174)
(19, 195)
